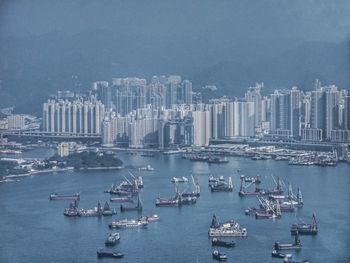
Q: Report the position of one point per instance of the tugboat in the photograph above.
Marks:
(219, 256)
(112, 239)
(305, 229)
(221, 243)
(227, 229)
(138, 207)
(101, 253)
(277, 254)
(55, 196)
(289, 246)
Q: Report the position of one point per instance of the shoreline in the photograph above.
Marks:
(11, 176)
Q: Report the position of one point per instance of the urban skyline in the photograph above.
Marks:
(162, 113)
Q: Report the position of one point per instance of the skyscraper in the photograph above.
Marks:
(295, 111)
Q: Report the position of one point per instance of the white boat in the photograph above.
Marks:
(128, 223)
(227, 229)
(182, 179)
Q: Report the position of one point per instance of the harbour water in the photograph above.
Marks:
(34, 229)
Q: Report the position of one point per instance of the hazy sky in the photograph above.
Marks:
(301, 19)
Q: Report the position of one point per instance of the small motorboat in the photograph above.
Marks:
(277, 254)
(219, 256)
(221, 243)
(101, 253)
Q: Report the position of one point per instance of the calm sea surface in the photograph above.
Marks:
(33, 229)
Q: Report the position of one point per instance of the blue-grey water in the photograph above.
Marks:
(34, 229)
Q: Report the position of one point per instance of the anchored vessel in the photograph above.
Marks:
(227, 229)
(221, 243)
(112, 239)
(152, 218)
(174, 201)
(289, 246)
(222, 186)
(107, 211)
(277, 254)
(182, 179)
(305, 229)
(138, 207)
(219, 256)
(121, 199)
(55, 196)
(101, 253)
(72, 210)
(128, 224)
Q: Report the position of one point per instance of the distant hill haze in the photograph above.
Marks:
(230, 44)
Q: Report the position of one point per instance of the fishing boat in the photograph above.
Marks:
(219, 256)
(227, 229)
(277, 254)
(55, 196)
(221, 186)
(246, 184)
(305, 229)
(221, 243)
(101, 253)
(195, 193)
(112, 239)
(138, 207)
(272, 211)
(289, 246)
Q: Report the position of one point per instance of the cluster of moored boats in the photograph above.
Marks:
(219, 232)
(182, 197)
(205, 158)
(271, 202)
(219, 184)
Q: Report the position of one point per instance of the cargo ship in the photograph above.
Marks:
(55, 196)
